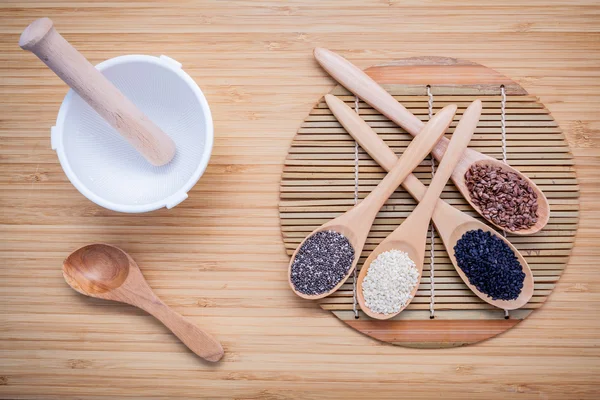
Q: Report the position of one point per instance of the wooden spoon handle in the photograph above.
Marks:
(197, 340)
(362, 85)
(372, 143)
(76, 71)
(416, 151)
(456, 147)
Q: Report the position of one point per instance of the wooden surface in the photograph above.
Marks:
(218, 258)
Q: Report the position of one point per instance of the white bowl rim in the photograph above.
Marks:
(177, 197)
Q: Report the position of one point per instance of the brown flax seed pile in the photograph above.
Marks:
(502, 196)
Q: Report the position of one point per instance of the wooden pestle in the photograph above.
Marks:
(76, 71)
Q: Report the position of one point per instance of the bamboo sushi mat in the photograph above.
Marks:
(318, 184)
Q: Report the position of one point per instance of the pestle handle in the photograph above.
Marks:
(76, 71)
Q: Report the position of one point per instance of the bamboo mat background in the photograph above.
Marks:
(219, 257)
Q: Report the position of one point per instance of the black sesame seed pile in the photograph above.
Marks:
(490, 265)
(321, 263)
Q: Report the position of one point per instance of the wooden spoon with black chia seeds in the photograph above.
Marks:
(313, 269)
(363, 86)
(450, 222)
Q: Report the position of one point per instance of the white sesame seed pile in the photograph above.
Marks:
(389, 280)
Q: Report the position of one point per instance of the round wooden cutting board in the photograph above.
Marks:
(318, 184)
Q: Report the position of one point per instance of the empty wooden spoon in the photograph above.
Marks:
(107, 272)
(450, 222)
(362, 85)
(355, 223)
(411, 236)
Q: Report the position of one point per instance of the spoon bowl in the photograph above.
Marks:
(417, 255)
(107, 272)
(96, 269)
(357, 241)
(471, 157)
(526, 291)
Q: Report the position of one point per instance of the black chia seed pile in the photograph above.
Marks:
(321, 263)
(490, 265)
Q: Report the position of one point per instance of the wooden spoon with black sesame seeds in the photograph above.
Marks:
(450, 222)
(363, 86)
(356, 223)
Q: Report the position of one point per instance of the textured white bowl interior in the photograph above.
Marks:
(105, 168)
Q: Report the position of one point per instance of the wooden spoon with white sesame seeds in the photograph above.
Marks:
(411, 236)
(450, 222)
(355, 223)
